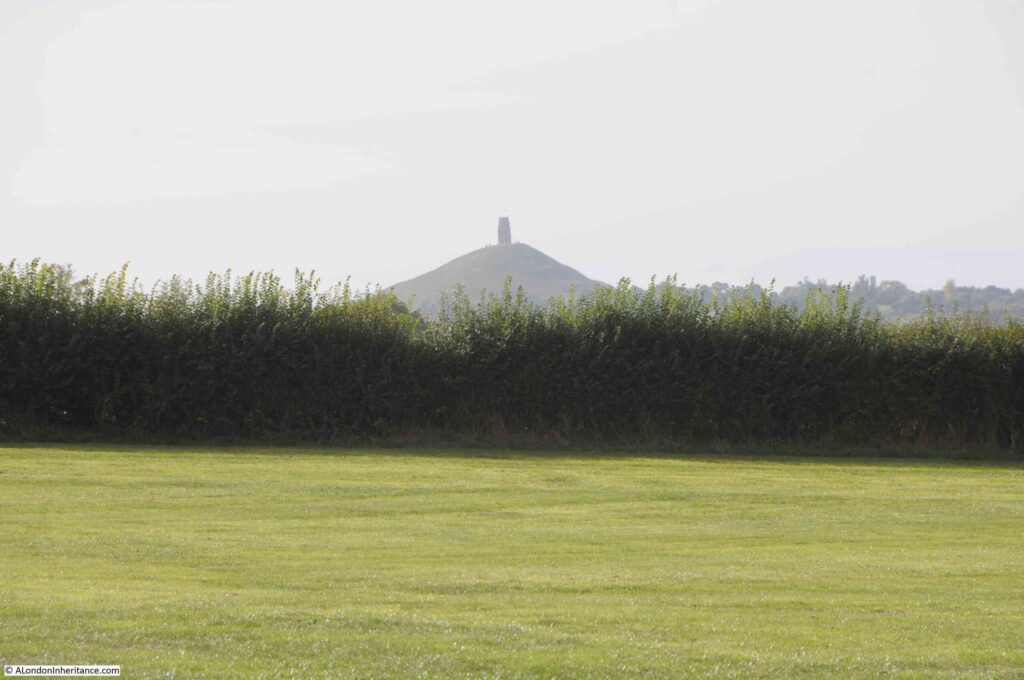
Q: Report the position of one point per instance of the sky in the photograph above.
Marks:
(718, 140)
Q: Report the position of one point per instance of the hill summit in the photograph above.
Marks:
(541, 277)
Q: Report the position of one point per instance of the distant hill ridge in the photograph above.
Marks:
(541, 277)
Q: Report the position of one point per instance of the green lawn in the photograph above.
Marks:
(177, 563)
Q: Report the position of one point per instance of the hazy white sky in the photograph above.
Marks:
(716, 139)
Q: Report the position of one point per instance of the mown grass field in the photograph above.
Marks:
(242, 563)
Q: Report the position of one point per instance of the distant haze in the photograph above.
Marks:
(720, 140)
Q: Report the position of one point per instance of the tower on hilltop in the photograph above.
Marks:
(504, 231)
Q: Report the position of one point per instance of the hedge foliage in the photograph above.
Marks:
(249, 357)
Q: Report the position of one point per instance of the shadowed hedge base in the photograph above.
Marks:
(250, 358)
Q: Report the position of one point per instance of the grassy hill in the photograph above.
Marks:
(541, 277)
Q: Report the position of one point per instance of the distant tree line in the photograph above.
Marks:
(248, 357)
(894, 300)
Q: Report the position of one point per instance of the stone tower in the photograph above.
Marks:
(504, 232)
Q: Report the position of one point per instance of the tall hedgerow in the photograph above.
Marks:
(250, 357)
